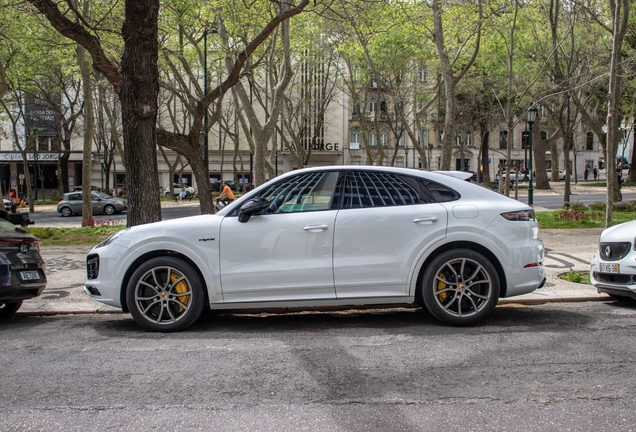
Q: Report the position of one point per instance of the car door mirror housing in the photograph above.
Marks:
(252, 207)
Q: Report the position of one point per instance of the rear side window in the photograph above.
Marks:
(440, 193)
(377, 189)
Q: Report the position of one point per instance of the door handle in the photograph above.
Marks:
(426, 220)
(316, 228)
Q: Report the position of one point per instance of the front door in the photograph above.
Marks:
(287, 252)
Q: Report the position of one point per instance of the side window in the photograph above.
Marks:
(376, 189)
(440, 193)
(75, 197)
(302, 193)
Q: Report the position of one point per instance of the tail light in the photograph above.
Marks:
(520, 215)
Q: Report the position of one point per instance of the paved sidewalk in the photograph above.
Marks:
(566, 249)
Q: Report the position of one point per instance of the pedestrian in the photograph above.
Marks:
(13, 208)
(587, 172)
(182, 194)
(595, 172)
(12, 195)
(619, 178)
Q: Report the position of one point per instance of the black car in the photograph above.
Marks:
(22, 269)
(216, 186)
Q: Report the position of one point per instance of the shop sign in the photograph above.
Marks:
(17, 157)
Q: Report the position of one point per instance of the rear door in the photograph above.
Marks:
(385, 223)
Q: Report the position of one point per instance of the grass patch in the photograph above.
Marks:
(576, 276)
(580, 219)
(85, 236)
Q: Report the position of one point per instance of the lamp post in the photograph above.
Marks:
(531, 117)
(406, 157)
(101, 168)
(249, 80)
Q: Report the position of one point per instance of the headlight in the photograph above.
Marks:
(111, 238)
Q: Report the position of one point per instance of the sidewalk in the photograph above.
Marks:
(566, 249)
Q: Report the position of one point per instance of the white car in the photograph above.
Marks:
(613, 267)
(324, 237)
(513, 177)
(177, 189)
(561, 174)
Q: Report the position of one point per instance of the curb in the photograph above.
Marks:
(532, 299)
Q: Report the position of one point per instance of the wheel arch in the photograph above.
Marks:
(462, 245)
(154, 254)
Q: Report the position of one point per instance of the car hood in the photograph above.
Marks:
(620, 233)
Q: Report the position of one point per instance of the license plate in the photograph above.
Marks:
(610, 268)
(29, 275)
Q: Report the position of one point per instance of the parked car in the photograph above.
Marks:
(93, 188)
(523, 177)
(71, 204)
(216, 186)
(177, 189)
(612, 268)
(561, 174)
(7, 204)
(328, 236)
(22, 269)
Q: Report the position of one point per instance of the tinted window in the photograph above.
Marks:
(378, 189)
(301, 193)
(75, 197)
(440, 193)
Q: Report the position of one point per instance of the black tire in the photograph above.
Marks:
(7, 310)
(165, 294)
(66, 211)
(109, 210)
(460, 287)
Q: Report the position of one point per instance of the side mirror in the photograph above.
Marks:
(252, 207)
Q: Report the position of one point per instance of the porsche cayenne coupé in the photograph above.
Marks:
(326, 237)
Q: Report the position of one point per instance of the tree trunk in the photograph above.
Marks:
(89, 129)
(138, 96)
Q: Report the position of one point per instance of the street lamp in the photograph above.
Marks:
(206, 156)
(406, 157)
(531, 117)
(249, 80)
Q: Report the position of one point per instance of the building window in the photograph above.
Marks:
(469, 139)
(503, 139)
(544, 135)
(401, 139)
(384, 138)
(372, 141)
(458, 139)
(424, 74)
(372, 106)
(355, 139)
(424, 138)
(525, 136)
(589, 141)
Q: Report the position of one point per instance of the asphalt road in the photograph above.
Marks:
(555, 367)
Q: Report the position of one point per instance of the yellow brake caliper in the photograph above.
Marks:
(181, 287)
(440, 287)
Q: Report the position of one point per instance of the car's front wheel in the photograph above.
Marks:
(66, 212)
(460, 287)
(8, 309)
(165, 294)
(109, 210)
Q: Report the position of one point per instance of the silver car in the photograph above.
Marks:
(102, 204)
(613, 267)
(325, 237)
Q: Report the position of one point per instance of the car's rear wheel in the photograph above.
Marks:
(8, 309)
(165, 294)
(109, 210)
(66, 212)
(460, 287)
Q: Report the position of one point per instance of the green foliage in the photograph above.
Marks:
(576, 276)
(73, 236)
(577, 219)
